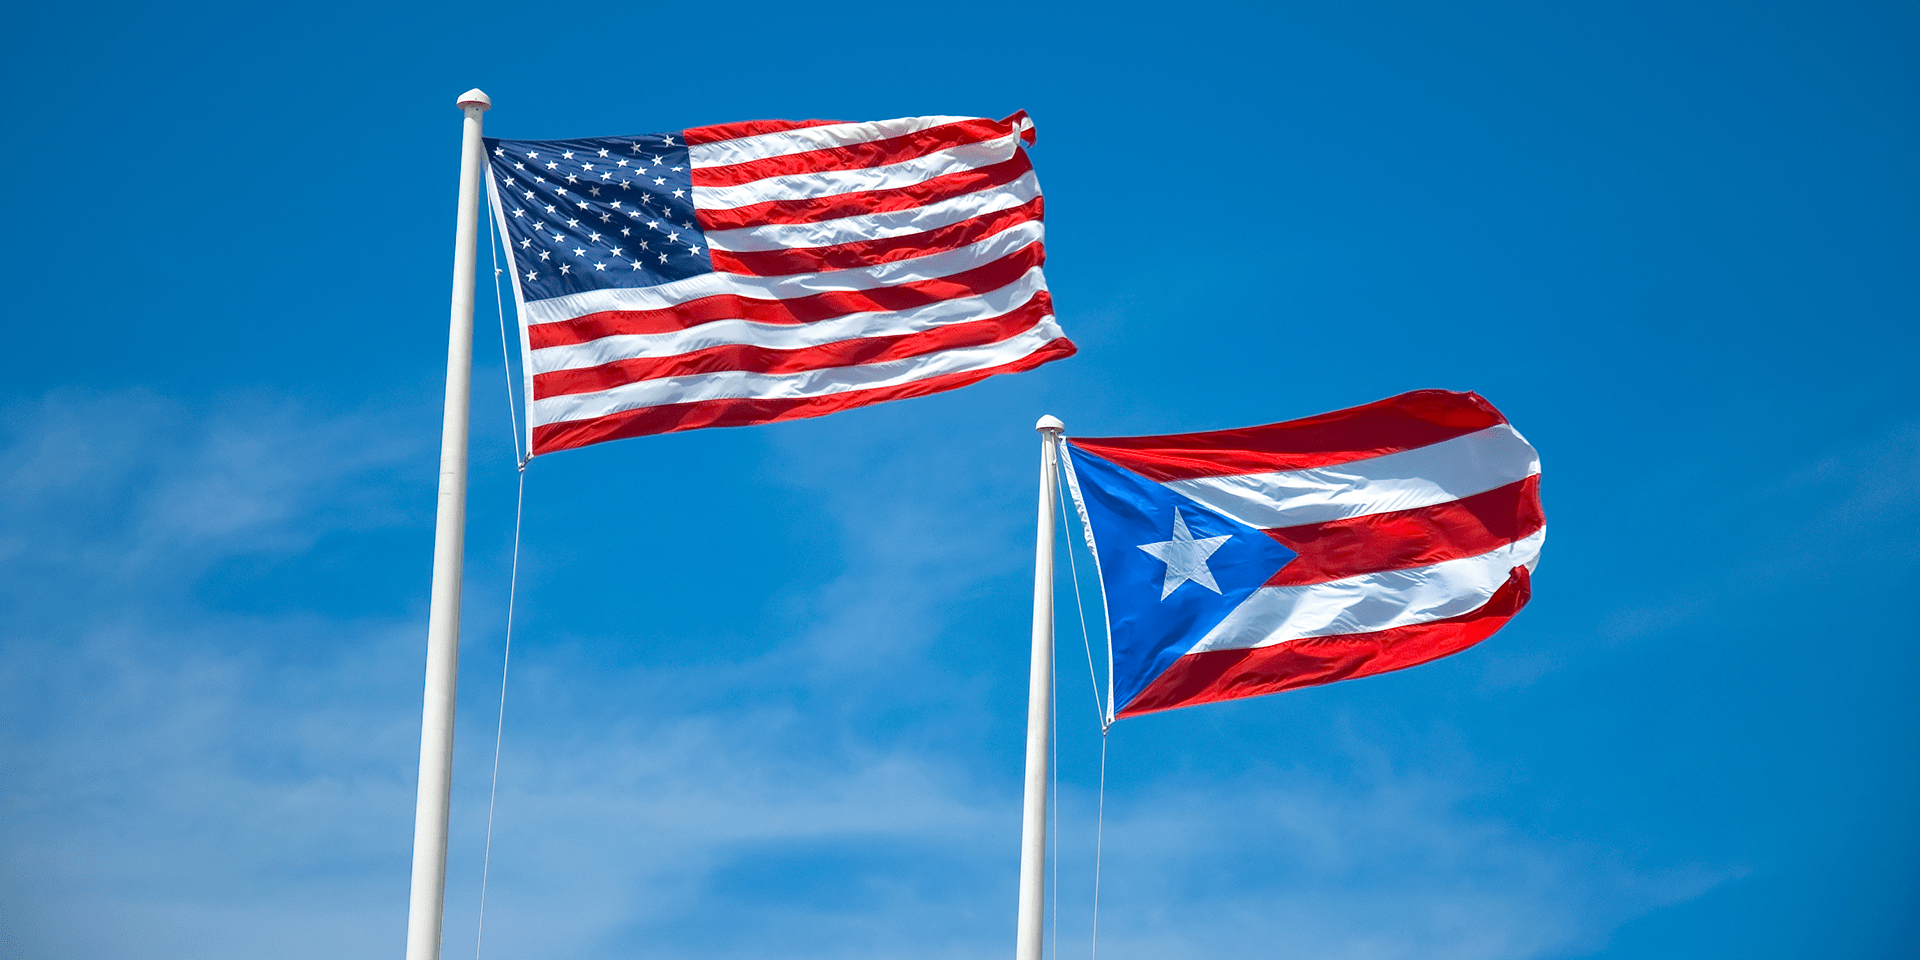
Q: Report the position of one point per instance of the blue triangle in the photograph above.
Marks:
(1148, 632)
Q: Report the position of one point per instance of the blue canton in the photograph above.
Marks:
(598, 213)
(1152, 626)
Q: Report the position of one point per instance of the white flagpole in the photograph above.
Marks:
(1033, 821)
(426, 905)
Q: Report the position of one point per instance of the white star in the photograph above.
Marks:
(593, 237)
(659, 180)
(544, 254)
(528, 242)
(656, 160)
(614, 252)
(626, 232)
(603, 151)
(677, 194)
(519, 213)
(624, 163)
(653, 224)
(694, 250)
(539, 179)
(677, 169)
(616, 204)
(533, 154)
(565, 268)
(669, 139)
(572, 179)
(1185, 557)
(529, 194)
(671, 237)
(594, 190)
(579, 251)
(663, 258)
(636, 264)
(573, 223)
(531, 274)
(599, 266)
(549, 208)
(552, 165)
(568, 155)
(586, 166)
(519, 166)
(499, 151)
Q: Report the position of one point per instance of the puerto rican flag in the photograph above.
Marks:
(1245, 562)
(751, 272)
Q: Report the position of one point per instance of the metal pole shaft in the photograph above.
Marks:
(1033, 820)
(426, 905)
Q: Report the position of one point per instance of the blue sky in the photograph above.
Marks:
(768, 684)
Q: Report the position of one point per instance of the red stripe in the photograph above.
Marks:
(852, 156)
(867, 201)
(673, 418)
(695, 136)
(1019, 118)
(1403, 539)
(1231, 674)
(1399, 423)
(867, 253)
(756, 359)
(807, 309)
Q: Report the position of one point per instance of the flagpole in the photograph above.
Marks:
(1033, 821)
(427, 902)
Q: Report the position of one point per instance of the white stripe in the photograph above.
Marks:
(668, 295)
(1421, 477)
(906, 173)
(740, 385)
(879, 226)
(788, 336)
(825, 137)
(1374, 601)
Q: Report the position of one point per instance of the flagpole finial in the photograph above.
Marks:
(1050, 424)
(474, 98)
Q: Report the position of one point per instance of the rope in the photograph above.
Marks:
(1099, 709)
(500, 310)
(500, 726)
(1099, 831)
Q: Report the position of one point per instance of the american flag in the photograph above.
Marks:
(750, 272)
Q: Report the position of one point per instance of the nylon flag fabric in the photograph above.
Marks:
(1245, 562)
(751, 272)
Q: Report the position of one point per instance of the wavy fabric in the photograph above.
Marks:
(751, 272)
(1337, 546)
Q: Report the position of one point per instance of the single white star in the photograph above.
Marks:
(528, 242)
(671, 237)
(567, 155)
(624, 163)
(529, 194)
(531, 274)
(572, 179)
(603, 151)
(593, 237)
(669, 139)
(663, 258)
(519, 213)
(586, 166)
(656, 160)
(1185, 557)
(544, 254)
(517, 165)
(552, 165)
(573, 223)
(564, 268)
(626, 232)
(659, 180)
(677, 194)
(614, 252)
(694, 250)
(499, 151)
(579, 251)
(636, 264)
(533, 154)
(599, 266)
